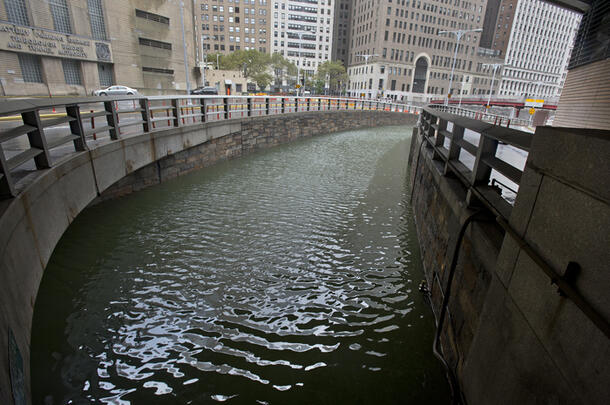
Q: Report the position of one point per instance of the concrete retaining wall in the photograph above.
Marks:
(32, 223)
(510, 337)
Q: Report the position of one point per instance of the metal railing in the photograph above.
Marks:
(43, 131)
(483, 116)
(479, 154)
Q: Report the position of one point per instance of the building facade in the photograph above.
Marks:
(537, 51)
(225, 26)
(398, 50)
(60, 47)
(341, 31)
(303, 32)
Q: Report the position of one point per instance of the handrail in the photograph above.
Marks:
(139, 115)
(447, 146)
(482, 115)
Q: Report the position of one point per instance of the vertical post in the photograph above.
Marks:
(76, 127)
(37, 138)
(145, 112)
(203, 109)
(225, 101)
(111, 119)
(249, 106)
(268, 106)
(6, 182)
(308, 104)
(319, 104)
(176, 111)
(481, 172)
(454, 150)
(283, 104)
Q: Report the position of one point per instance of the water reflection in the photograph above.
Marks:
(287, 276)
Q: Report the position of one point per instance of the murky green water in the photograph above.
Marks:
(286, 277)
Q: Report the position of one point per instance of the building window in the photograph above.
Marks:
(104, 71)
(61, 16)
(153, 17)
(96, 16)
(16, 11)
(30, 68)
(72, 71)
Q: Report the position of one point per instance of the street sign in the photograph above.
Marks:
(532, 111)
(298, 86)
(531, 102)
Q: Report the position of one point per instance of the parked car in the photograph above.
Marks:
(204, 91)
(116, 91)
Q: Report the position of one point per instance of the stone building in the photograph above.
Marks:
(60, 47)
(396, 50)
(232, 25)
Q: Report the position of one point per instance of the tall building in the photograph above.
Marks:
(535, 39)
(398, 49)
(303, 31)
(60, 47)
(232, 25)
(341, 31)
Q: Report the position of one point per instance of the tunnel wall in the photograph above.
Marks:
(509, 336)
(32, 223)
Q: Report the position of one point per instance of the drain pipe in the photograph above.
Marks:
(456, 397)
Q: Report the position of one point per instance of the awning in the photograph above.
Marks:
(229, 82)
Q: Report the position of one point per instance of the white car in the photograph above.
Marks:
(116, 91)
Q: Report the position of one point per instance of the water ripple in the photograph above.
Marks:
(282, 277)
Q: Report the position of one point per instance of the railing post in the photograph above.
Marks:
(329, 104)
(454, 150)
(481, 172)
(283, 105)
(111, 119)
(203, 109)
(249, 105)
(308, 104)
(225, 101)
(176, 111)
(37, 138)
(144, 106)
(268, 106)
(76, 127)
(6, 182)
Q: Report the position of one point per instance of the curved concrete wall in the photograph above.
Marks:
(32, 223)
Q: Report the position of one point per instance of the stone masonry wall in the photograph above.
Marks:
(256, 133)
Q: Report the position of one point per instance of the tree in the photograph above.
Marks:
(262, 80)
(334, 73)
(250, 62)
(214, 58)
(280, 66)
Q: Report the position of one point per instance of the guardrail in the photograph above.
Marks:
(469, 149)
(482, 116)
(50, 125)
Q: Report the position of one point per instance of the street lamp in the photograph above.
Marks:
(300, 34)
(203, 58)
(458, 35)
(366, 60)
(186, 66)
(494, 66)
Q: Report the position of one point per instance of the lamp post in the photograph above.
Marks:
(458, 35)
(300, 34)
(495, 67)
(366, 60)
(203, 59)
(461, 91)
